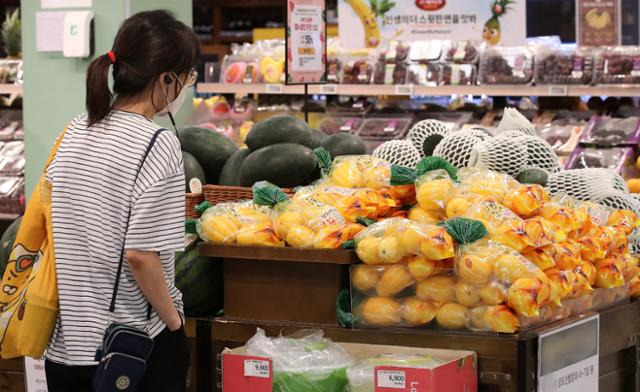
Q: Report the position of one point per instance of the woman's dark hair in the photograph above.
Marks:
(147, 44)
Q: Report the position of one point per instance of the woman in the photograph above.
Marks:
(94, 186)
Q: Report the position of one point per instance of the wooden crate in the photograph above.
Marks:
(282, 284)
(506, 363)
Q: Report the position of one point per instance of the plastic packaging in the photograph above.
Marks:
(563, 138)
(357, 68)
(394, 240)
(424, 74)
(271, 61)
(618, 65)
(506, 65)
(426, 51)
(392, 64)
(462, 52)
(459, 74)
(241, 66)
(361, 375)
(377, 130)
(566, 64)
(617, 159)
(607, 131)
(306, 363)
(336, 123)
(241, 223)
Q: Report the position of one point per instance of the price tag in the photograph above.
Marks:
(257, 368)
(568, 357)
(404, 89)
(34, 374)
(274, 89)
(195, 185)
(391, 379)
(329, 89)
(561, 91)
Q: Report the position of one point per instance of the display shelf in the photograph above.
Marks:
(8, 216)
(7, 88)
(373, 89)
(323, 256)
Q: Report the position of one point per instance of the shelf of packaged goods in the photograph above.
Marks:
(10, 89)
(372, 89)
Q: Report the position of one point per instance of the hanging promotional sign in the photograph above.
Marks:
(598, 22)
(306, 43)
(372, 23)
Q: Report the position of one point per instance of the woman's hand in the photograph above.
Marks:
(147, 271)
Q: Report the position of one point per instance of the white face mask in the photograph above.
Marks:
(174, 106)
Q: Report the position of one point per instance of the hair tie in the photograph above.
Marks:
(112, 56)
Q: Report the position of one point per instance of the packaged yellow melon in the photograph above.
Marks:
(229, 223)
(391, 240)
(305, 222)
(486, 183)
(526, 200)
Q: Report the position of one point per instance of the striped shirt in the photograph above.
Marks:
(93, 188)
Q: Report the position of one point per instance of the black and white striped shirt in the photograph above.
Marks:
(92, 178)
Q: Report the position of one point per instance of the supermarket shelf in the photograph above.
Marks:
(8, 217)
(10, 89)
(372, 89)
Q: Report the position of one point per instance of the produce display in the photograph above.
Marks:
(606, 131)
(210, 149)
(307, 363)
(443, 62)
(482, 251)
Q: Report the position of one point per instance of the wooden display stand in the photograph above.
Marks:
(284, 290)
(282, 284)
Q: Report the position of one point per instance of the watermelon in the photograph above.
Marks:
(286, 165)
(317, 137)
(209, 148)
(533, 175)
(192, 169)
(344, 143)
(230, 175)
(6, 243)
(278, 129)
(200, 281)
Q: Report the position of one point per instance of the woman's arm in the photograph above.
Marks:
(147, 270)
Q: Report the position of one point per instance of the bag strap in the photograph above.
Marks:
(116, 285)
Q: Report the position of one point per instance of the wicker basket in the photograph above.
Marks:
(216, 194)
(191, 202)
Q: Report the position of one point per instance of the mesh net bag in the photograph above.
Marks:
(539, 154)
(513, 120)
(398, 152)
(504, 155)
(456, 147)
(425, 132)
(593, 184)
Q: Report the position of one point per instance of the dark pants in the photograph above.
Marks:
(166, 371)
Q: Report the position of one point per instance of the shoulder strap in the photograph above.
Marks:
(54, 150)
(112, 306)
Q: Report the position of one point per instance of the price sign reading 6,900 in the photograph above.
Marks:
(391, 379)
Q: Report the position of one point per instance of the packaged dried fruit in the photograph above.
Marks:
(608, 131)
(357, 68)
(563, 138)
(335, 124)
(617, 159)
(376, 130)
(506, 65)
(334, 66)
(241, 223)
(461, 52)
(459, 75)
(305, 222)
(392, 64)
(618, 65)
(424, 74)
(566, 64)
(426, 51)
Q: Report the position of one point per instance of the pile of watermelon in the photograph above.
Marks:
(280, 150)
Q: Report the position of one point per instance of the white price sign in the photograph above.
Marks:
(560, 91)
(391, 379)
(329, 89)
(404, 89)
(568, 357)
(34, 374)
(274, 89)
(257, 368)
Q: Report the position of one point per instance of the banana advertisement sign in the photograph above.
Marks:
(598, 22)
(373, 23)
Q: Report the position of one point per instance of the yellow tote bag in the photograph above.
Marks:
(29, 290)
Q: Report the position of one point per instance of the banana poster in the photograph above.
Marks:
(372, 23)
(598, 22)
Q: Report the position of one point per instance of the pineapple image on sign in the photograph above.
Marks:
(492, 31)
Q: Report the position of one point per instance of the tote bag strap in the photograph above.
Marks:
(116, 285)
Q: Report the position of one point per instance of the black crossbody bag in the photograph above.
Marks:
(124, 351)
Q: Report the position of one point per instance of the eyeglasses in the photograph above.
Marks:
(191, 80)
